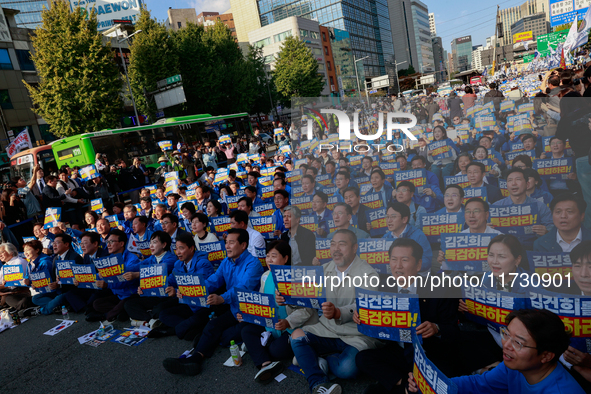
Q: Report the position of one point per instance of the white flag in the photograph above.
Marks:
(21, 142)
(578, 36)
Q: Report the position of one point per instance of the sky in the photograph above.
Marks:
(453, 18)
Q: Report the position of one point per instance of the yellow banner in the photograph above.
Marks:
(525, 36)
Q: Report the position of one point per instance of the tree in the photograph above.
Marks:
(258, 89)
(296, 73)
(80, 83)
(152, 58)
(409, 71)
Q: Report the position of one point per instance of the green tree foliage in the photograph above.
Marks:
(80, 83)
(409, 71)
(258, 89)
(296, 73)
(153, 57)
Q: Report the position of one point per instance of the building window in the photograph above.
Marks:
(326, 50)
(314, 35)
(328, 66)
(180, 24)
(269, 59)
(303, 33)
(24, 59)
(5, 63)
(263, 42)
(331, 80)
(5, 101)
(323, 36)
(282, 36)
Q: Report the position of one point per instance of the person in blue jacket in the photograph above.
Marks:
(112, 307)
(182, 319)
(534, 190)
(240, 270)
(281, 200)
(148, 308)
(568, 216)
(431, 197)
(532, 342)
(129, 213)
(380, 186)
(397, 217)
(38, 262)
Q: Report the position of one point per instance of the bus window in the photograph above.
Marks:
(22, 167)
(47, 161)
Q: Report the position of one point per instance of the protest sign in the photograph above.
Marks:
(193, 290)
(551, 263)
(429, 379)
(554, 169)
(435, 224)
(89, 172)
(466, 252)
(417, 177)
(264, 225)
(111, 268)
(40, 281)
(257, 308)
(85, 275)
(64, 271)
(490, 307)
(514, 219)
(153, 279)
(220, 224)
(52, 217)
(290, 284)
(375, 252)
(13, 275)
(216, 252)
(96, 205)
(376, 218)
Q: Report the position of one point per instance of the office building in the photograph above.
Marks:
(462, 53)
(432, 27)
(477, 58)
(509, 16)
(536, 23)
(439, 59)
(412, 38)
(213, 17)
(450, 63)
(490, 42)
(179, 17)
(340, 44)
(366, 22)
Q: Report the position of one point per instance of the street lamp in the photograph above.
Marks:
(357, 75)
(137, 118)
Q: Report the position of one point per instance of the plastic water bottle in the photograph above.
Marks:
(235, 351)
(65, 314)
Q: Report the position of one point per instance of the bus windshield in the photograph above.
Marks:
(22, 167)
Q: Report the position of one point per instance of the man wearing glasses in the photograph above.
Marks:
(532, 343)
(112, 307)
(170, 224)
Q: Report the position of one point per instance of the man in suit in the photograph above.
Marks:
(301, 240)
(39, 185)
(170, 224)
(353, 199)
(568, 215)
(322, 213)
(390, 364)
(51, 302)
(476, 172)
(51, 197)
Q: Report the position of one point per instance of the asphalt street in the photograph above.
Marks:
(33, 362)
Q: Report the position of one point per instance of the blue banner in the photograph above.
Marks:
(264, 225)
(52, 217)
(466, 252)
(153, 279)
(13, 275)
(290, 284)
(417, 177)
(554, 169)
(220, 224)
(440, 150)
(552, 263)
(64, 271)
(85, 275)
(323, 250)
(193, 290)
(388, 316)
(376, 218)
(490, 307)
(516, 220)
(216, 252)
(257, 308)
(436, 224)
(429, 379)
(40, 280)
(111, 268)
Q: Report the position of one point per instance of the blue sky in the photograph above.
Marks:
(453, 19)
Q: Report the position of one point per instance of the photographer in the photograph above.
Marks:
(130, 178)
(178, 166)
(138, 165)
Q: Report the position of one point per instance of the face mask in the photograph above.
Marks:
(162, 164)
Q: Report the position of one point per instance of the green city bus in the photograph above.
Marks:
(142, 141)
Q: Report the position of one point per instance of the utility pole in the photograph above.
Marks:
(357, 75)
(494, 64)
(137, 118)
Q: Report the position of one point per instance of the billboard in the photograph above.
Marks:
(463, 39)
(524, 36)
(547, 41)
(564, 11)
(109, 10)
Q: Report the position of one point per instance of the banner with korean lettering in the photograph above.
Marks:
(165, 145)
(13, 275)
(296, 191)
(388, 316)
(435, 224)
(507, 105)
(221, 176)
(20, 143)
(551, 263)
(388, 158)
(376, 218)
(304, 203)
(85, 275)
(96, 205)
(140, 248)
(232, 203)
(153, 280)
(261, 254)
(466, 252)
(490, 307)
(171, 187)
(216, 252)
(460, 180)
(440, 150)
(293, 177)
(375, 252)
(463, 132)
(526, 108)
(257, 308)
(225, 139)
(355, 161)
(255, 157)
(192, 289)
(417, 177)
(310, 222)
(324, 180)
(242, 158)
(488, 164)
(89, 172)
(267, 193)
(574, 311)
(290, 283)
(323, 250)
(220, 224)
(264, 225)
(52, 217)
(40, 280)
(472, 192)
(390, 168)
(503, 187)
(554, 169)
(264, 209)
(547, 148)
(485, 122)
(64, 271)
(372, 200)
(113, 221)
(265, 180)
(510, 156)
(111, 268)
(429, 379)
(514, 219)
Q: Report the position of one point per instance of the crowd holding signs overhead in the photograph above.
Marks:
(458, 260)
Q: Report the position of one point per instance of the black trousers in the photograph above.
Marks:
(137, 307)
(222, 330)
(275, 350)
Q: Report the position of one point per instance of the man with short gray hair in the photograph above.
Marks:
(301, 240)
(15, 297)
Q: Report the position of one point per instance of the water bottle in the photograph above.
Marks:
(235, 351)
(65, 314)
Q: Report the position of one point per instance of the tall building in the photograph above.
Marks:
(30, 11)
(450, 63)
(490, 42)
(432, 27)
(179, 17)
(340, 43)
(461, 49)
(536, 23)
(439, 59)
(511, 15)
(477, 58)
(367, 24)
(412, 38)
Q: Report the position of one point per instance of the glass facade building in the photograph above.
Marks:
(422, 35)
(461, 49)
(366, 21)
(30, 11)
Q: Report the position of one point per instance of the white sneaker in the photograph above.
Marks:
(327, 388)
(244, 349)
(294, 361)
(154, 323)
(323, 364)
(268, 372)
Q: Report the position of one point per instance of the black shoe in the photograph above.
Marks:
(95, 316)
(160, 332)
(268, 372)
(182, 366)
